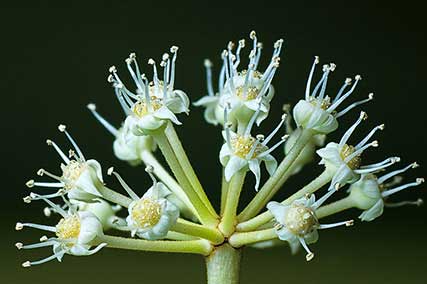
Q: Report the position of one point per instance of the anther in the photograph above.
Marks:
(110, 78)
(61, 127)
(309, 256)
(47, 212)
(27, 199)
(40, 172)
(371, 96)
(349, 223)
(363, 115)
(19, 226)
(260, 137)
(149, 168)
(348, 81)
(252, 34)
(165, 57)
(151, 61)
(419, 202)
(30, 183)
(26, 264)
(375, 143)
(381, 127)
(284, 115)
(19, 245)
(91, 106)
(316, 59)
(358, 77)
(419, 180)
(207, 63)
(415, 165)
(43, 238)
(242, 43)
(332, 66)
(110, 171)
(112, 69)
(174, 49)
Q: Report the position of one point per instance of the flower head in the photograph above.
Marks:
(74, 234)
(242, 90)
(154, 102)
(318, 111)
(80, 177)
(242, 150)
(127, 146)
(298, 223)
(371, 193)
(152, 215)
(344, 160)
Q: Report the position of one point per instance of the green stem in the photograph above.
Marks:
(335, 207)
(198, 246)
(171, 235)
(114, 197)
(149, 159)
(224, 192)
(252, 224)
(223, 265)
(245, 238)
(193, 229)
(182, 158)
(203, 212)
(228, 221)
(274, 183)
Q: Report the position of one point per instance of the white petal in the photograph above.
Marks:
(278, 210)
(256, 170)
(233, 166)
(374, 212)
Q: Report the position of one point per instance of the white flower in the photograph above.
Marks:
(243, 90)
(127, 146)
(80, 177)
(74, 234)
(154, 102)
(151, 216)
(298, 223)
(371, 193)
(317, 112)
(213, 111)
(242, 151)
(344, 160)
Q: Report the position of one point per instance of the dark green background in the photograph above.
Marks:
(56, 57)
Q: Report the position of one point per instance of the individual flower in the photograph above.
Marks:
(370, 193)
(344, 160)
(154, 102)
(308, 153)
(74, 234)
(298, 223)
(104, 211)
(127, 146)
(241, 89)
(243, 151)
(318, 111)
(152, 215)
(80, 177)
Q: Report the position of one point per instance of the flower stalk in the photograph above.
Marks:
(223, 265)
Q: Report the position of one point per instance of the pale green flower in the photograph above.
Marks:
(74, 234)
(371, 193)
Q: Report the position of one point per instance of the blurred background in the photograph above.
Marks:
(55, 60)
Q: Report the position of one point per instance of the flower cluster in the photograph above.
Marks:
(175, 214)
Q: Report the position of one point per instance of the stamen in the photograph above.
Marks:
(325, 69)
(33, 246)
(331, 68)
(233, 71)
(120, 98)
(239, 48)
(345, 96)
(174, 51)
(417, 202)
(282, 140)
(135, 77)
(57, 208)
(271, 135)
(394, 173)
(353, 105)
(58, 150)
(105, 123)
(208, 66)
(150, 169)
(359, 151)
(309, 255)
(20, 226)
(252, 120)
(42, 172)
(370, 134)
(332, 189)
(258, 54)
(378, 166)
(347, 82)
(32, 183)
(344, 223)
(350, 131)
(389, 192)
(310, 78)
(62, 128)
(44, 260)
(131, 193)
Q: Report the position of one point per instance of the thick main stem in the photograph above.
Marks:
(223, 265)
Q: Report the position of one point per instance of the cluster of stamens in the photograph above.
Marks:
(146, 212)
(68, 228)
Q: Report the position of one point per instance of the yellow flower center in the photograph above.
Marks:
(242, 145)
(73, 170)
(347, 151)
(324, 104)
(146, 212)
(68, 228)
(300, 220)
(256, 74)
(251, 93)
(140, 108)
